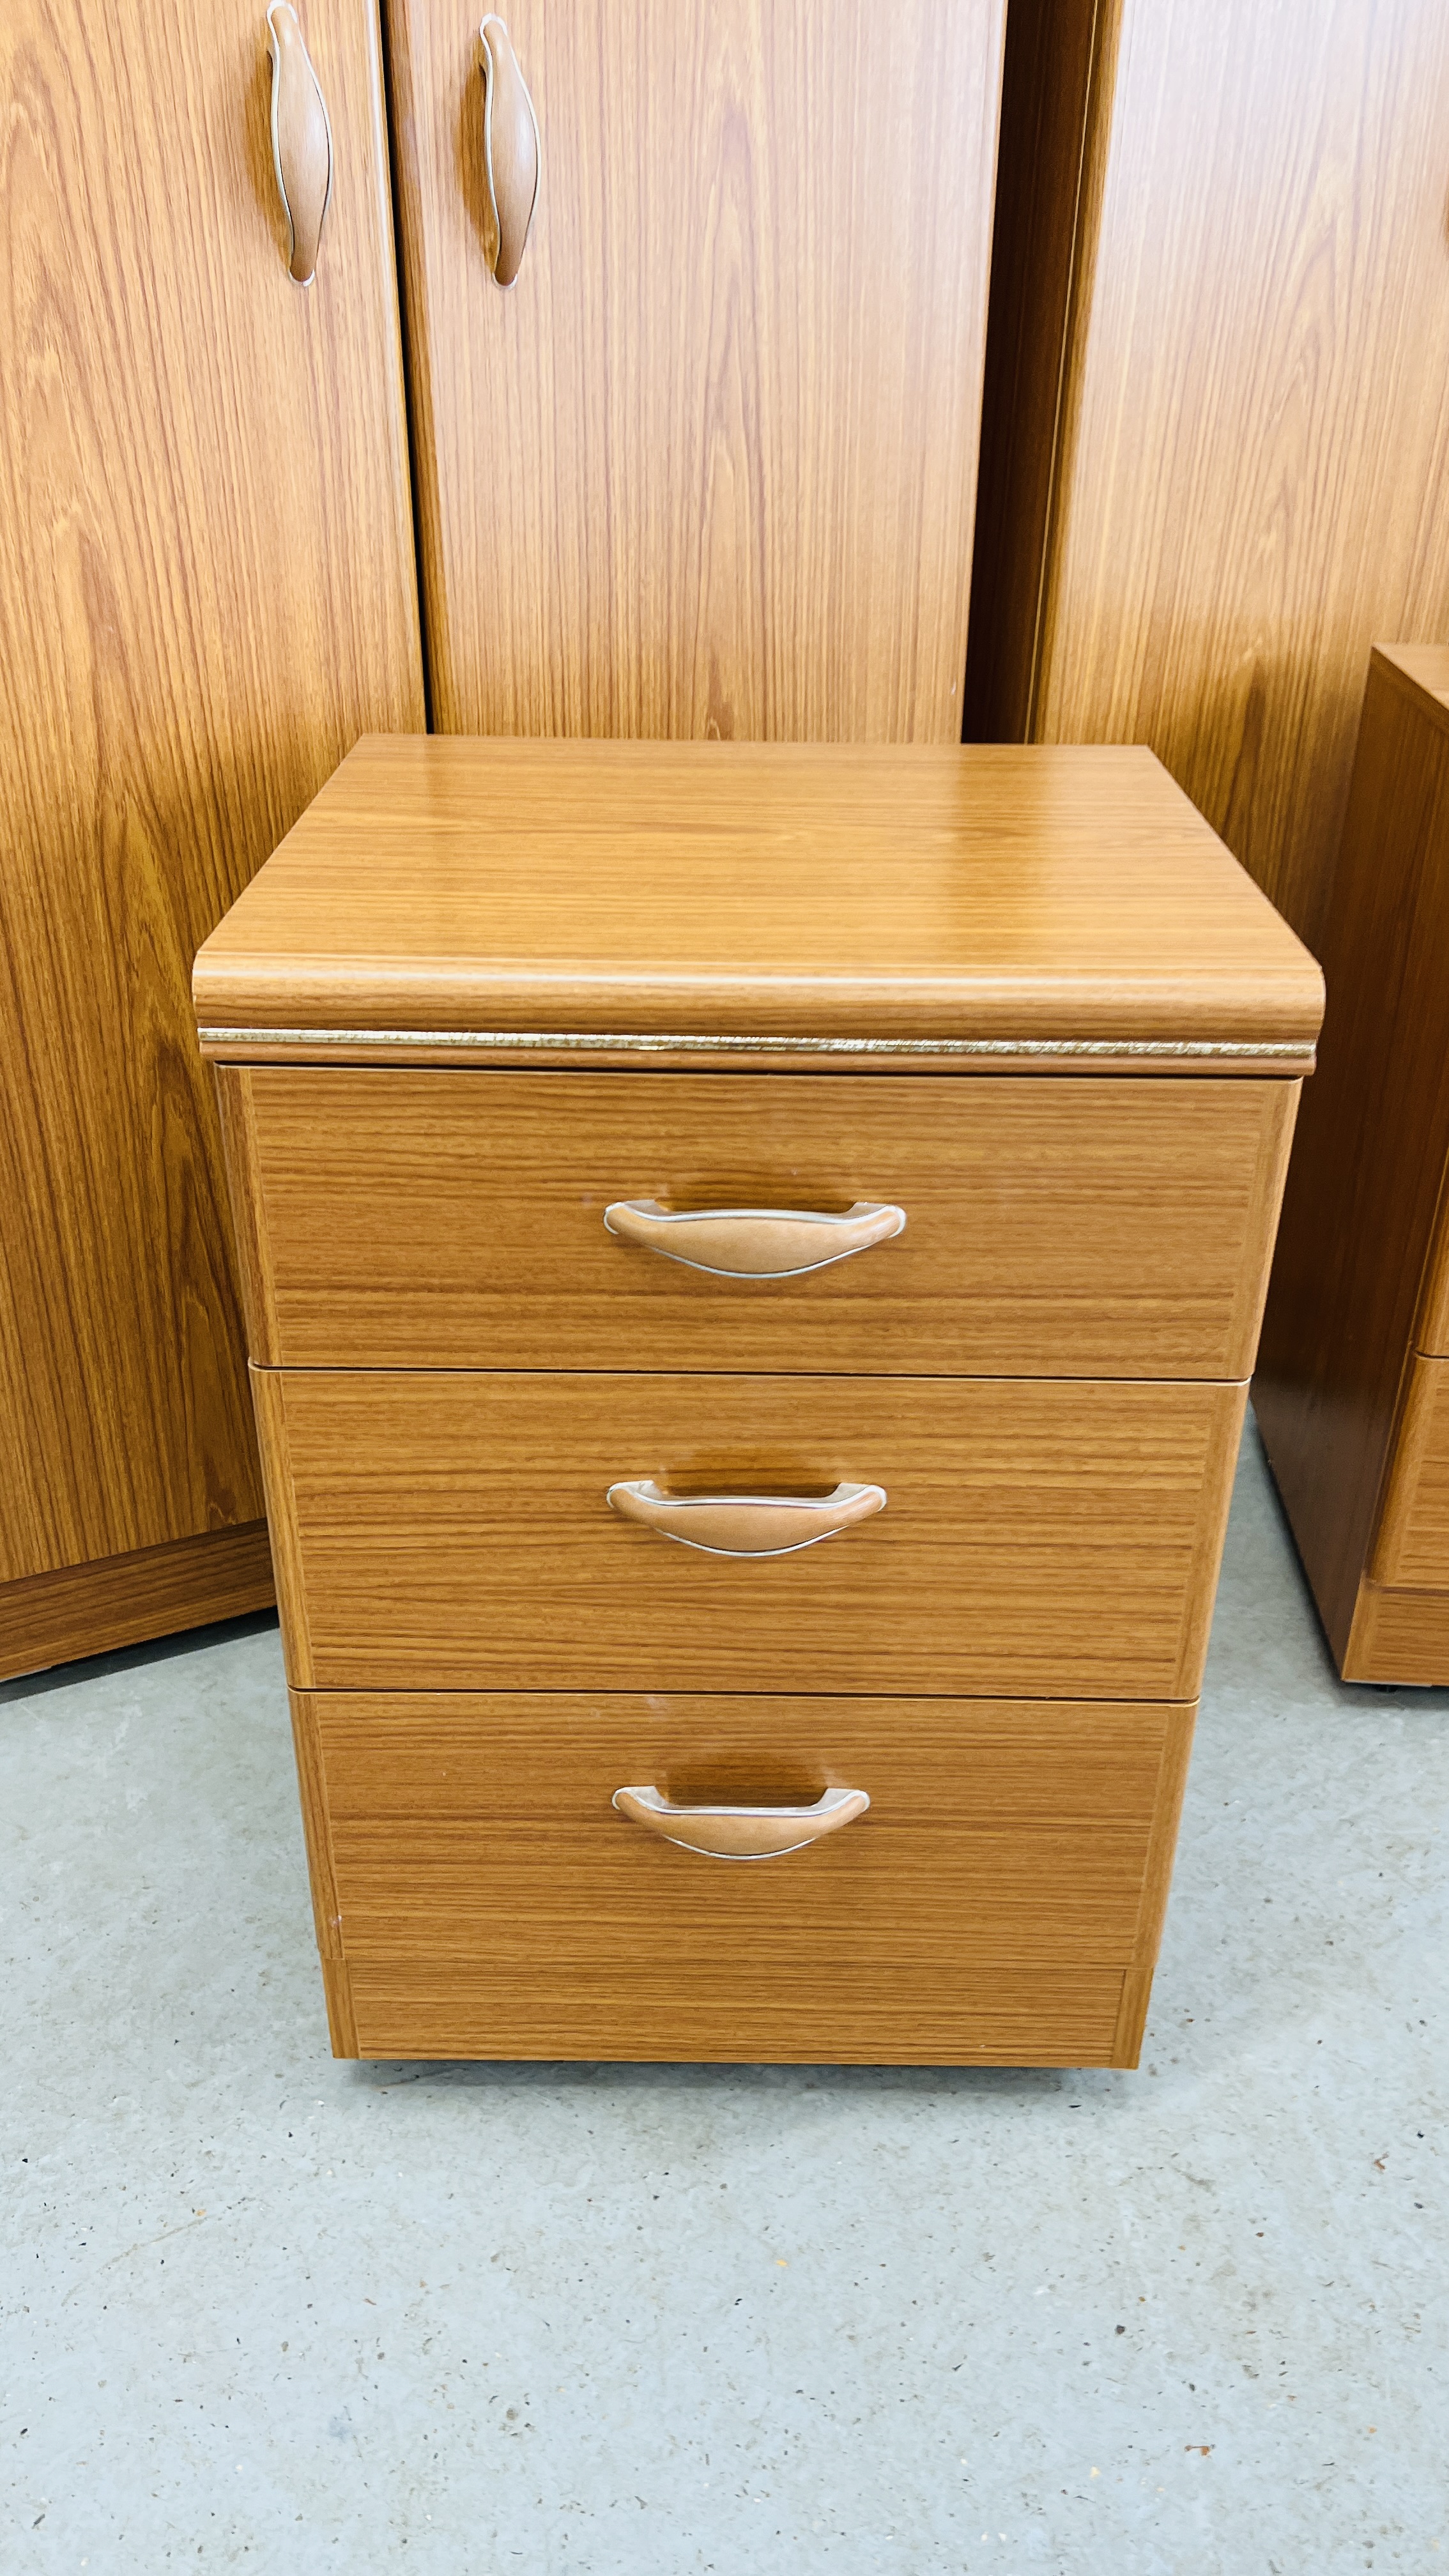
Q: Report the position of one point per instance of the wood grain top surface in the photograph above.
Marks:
(879, 893)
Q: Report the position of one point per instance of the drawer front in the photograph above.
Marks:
(1411, 1550)
(491, 1901)
(1039, 1536)
(451, 1219)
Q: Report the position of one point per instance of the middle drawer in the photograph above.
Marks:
(1039, 1536)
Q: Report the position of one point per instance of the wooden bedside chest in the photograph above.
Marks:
(752, 1256)
(1352, 1391)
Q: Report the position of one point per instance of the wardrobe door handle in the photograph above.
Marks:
(754, 1243)
(510, 150)
(745, 1524)
(301, 140)
(742, 1833)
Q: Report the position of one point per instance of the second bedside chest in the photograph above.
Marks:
(752, 1259)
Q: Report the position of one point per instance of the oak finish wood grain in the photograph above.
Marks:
(457, 1569)
(709, 467)
(765, 890)
(1364, 1185)
(897, 2016)
(206, 592)
(449, 1219)
(435, 1530)
(1398, 1637)
(91, 1609)
(1252, 469)
(1411, 1542)
(474, 1822)
(473, 1846)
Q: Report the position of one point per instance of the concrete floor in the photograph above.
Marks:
(618, 2320)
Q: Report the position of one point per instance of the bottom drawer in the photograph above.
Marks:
(479, 1895)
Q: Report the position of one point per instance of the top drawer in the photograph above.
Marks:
(438, 1218)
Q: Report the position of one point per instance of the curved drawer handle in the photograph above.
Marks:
(754, 1243)
(742, 1833)
(746, 1524)
(301, 140)
(510, 150)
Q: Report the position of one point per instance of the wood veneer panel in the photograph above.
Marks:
(90, 1609)
(469, 1823)
(1359, 1207)
(1058, 1536)
(437, 1219)
(206, 592)
(899, 2017)
(1411, 1543)
(982, 891)
(493, 1903)
(1253, 468)
(1398, 1637)
(717, 446)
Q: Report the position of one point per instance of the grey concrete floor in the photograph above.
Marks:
(259, 2305)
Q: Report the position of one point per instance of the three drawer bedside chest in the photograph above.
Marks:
(752, 1256)
(1352, 1390)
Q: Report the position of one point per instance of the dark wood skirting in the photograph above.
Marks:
(123, 1600)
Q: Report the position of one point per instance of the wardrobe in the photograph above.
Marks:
(206, 592)
(1215, 460)
(617, 371)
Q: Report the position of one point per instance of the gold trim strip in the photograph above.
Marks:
(601, 1042)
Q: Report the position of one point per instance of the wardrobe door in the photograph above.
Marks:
(1236, 476)
(707, 466)
(206, 593)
